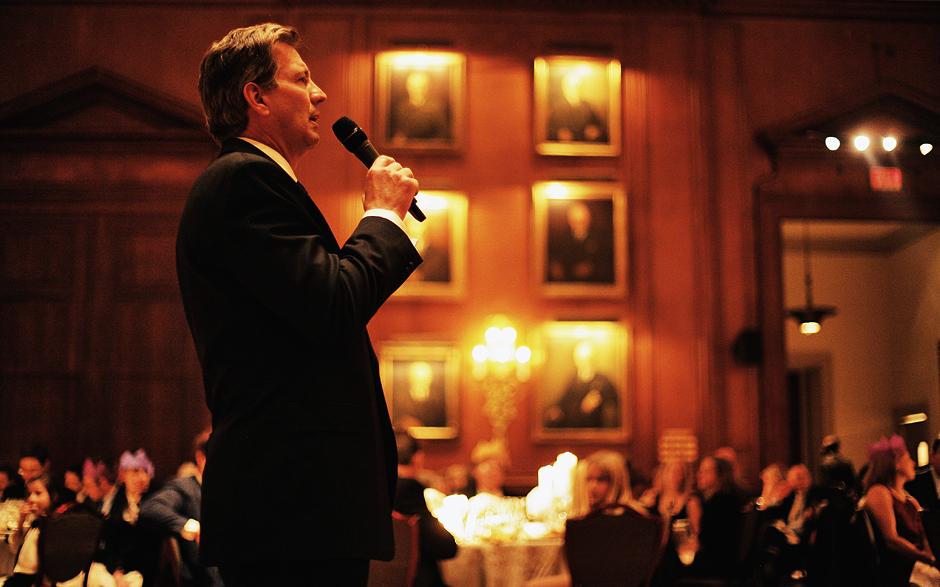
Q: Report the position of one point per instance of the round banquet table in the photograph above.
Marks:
(504, 564)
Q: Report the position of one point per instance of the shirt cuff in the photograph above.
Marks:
(389, 215)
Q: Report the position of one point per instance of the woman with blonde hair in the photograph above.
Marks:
(601, 480)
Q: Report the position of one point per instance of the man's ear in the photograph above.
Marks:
(254, 96)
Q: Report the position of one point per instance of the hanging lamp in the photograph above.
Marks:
(810, 316)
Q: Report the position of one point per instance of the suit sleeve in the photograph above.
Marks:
(161, 510)
(274, 247)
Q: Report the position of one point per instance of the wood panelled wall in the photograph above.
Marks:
(95, 357)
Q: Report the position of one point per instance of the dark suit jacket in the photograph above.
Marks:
(923, 488)
(127, 546)
(302, 460)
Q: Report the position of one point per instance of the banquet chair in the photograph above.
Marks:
(170, 562)
(400, 571)
(616, 546)
(68, 543)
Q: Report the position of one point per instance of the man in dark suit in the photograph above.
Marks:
(925, 488)
(301, 467)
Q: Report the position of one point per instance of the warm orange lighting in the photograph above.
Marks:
(885, 179)
(500, 352)
(833, 143)
(862, 142)
(809, 327)
(889, 143)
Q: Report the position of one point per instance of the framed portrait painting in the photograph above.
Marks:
(419, 100)
(442, 242)
(421, 381)
(577, 106)
(580, 238)
(581, 382)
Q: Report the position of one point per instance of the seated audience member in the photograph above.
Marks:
(671, 491)
(739, 486)
(436, 543)
(716, 544)
(489, 477)
(34, 461)
(173, 510)
(457, 480)
(131, 550)
(773, 486)
(600, 480)
(98, 486)
(906, 556)
(11, 485)
(72, 483)
(790, 525)
(490, 461)
(43, 497)
(673, 500)
(836, 472)
(925, 488)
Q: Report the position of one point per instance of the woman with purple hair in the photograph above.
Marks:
(906, 558)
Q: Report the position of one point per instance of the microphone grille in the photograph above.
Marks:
(344, 129)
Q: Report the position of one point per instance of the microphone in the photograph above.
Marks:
(357, 143)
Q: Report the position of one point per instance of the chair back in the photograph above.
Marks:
(68, 543)
(401, 570)
(863, 556)
(616, 546)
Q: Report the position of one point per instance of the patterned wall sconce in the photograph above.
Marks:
(499, 366)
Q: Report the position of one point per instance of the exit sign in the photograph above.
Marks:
(885, 179)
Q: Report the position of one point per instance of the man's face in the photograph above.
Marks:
(30, 468)
(293, 104)
(935, 461)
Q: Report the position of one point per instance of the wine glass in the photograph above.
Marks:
(684, 541)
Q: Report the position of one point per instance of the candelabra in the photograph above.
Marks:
(499, 366)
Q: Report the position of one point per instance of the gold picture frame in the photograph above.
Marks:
(442, 242)
(420, 99)
(577, 106)
(580, 233)
(421, 382)
(581, 382)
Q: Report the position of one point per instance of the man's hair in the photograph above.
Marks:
(407, 446)
(243, 56)
(35, 451)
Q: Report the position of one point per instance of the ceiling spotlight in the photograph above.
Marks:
(926, 148)
(862, 142)
(833, 143)
(889, 143)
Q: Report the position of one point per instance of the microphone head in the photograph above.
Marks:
(349, 133)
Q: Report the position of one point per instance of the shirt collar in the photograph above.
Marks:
(278, 158)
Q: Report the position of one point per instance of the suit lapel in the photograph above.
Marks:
(297, 190)
(318, 218)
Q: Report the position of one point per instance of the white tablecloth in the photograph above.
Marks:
(507, 564)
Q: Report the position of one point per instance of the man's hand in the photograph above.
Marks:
(389, 186)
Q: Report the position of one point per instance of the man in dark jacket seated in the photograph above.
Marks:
(925, 487)
(173, 510)
(436, 543)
